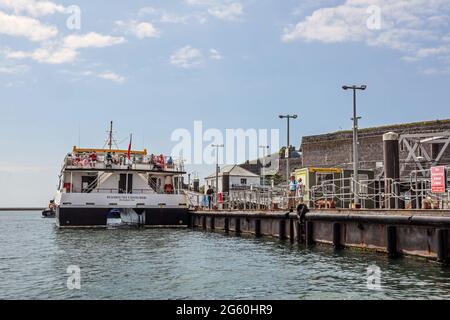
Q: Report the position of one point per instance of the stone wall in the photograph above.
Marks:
(335, 149)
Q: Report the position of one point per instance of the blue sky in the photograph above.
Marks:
(155, 66)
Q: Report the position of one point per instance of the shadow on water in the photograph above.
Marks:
(179, 264)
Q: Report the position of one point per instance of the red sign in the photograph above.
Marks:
(438, 179)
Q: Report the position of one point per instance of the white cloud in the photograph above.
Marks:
(30, 28)
(105, 75)
(164, 16)
(147, 11)
(429, 52)
(32, 7)
(46, 55)
(215, 55)
(222, 9)
(67, 50)
(436, 72)
(111, 76)
(57, 56)
(173, 18)
(201, 2)
(186, 57)
(231, 11)
(91, 40)
(415, 27)
(140, 30)
(307, 5)
(13, 69)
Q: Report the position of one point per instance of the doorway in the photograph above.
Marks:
(126, 183)
(88, 183)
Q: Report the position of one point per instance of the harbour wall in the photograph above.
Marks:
(420, 233)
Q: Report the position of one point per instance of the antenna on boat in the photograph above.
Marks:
(110, 136)
(110, 141)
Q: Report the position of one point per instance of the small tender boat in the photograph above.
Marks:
(49, 213)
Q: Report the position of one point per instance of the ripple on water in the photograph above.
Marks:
(185, 264)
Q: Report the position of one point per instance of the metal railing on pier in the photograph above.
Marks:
(413, 192)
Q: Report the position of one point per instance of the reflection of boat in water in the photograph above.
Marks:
(112, 187)
(126, 217)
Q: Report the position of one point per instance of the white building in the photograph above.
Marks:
(235, 176)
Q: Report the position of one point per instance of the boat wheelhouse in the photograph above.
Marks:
(97, 186)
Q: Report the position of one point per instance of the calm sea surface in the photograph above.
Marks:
(186, 264)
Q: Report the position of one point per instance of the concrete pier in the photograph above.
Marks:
(420, 233)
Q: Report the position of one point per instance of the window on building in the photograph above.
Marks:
(244, 182)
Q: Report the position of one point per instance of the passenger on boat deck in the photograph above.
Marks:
(52, 205)
(115, 159)
(108, 158)
(93, 158)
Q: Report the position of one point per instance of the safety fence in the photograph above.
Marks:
(413, 192)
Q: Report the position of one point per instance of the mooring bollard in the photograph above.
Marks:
(442, 245)
(282, 230)
(212, 223)
(309, 233)
(337, 235)
(392, 241)
(258, 228)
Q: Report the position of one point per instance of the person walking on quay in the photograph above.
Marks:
(210, 194)
(293, 184)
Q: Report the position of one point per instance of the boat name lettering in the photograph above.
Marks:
(126, 198)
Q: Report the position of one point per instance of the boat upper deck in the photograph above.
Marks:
(120, 160)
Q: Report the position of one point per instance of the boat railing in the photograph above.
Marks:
(69, 164)
(117, 191)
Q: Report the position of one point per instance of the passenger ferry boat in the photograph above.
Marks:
(103, 187)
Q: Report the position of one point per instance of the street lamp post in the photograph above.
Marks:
(288, 118)
(355, 141)
(217, 146)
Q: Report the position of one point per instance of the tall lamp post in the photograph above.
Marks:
(288, 117)
(217, 146)
(355, 142)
